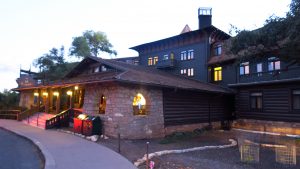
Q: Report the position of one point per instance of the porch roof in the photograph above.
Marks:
(134, 74)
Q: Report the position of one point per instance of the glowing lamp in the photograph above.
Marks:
(36, 94)
(76, 87)
(69, 93)
(55, 94)
(82, 116)
(45, 94)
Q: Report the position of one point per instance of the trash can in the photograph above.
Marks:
(92, 126)
(78, 123)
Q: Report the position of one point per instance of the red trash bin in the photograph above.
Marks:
(87, 127)
(78, 123)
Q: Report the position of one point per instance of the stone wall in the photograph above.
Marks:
(118, 117)
(268, 126)
(190, 127)
(26, 98)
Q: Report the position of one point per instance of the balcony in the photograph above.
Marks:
(166, 64)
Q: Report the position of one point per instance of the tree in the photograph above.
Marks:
(91, 44)
(279, 36)
(8, 99)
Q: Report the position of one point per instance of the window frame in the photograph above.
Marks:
(293, 99)
(272, 64)
(190, 72)
(218, 50)
(256, 95)
(150, 61)
(135, 108)
(102, 103)
(183, 55)
(219, 74)
(259, 73)
(244, 66)
(155, 60)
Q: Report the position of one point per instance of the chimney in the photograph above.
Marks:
(204, 17)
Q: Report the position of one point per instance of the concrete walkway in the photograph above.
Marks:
(65, 151)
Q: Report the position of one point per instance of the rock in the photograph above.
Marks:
(94, 138)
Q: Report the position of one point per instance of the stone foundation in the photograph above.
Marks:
(268, 126)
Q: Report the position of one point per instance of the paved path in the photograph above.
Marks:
(65, 151)
(17, 152)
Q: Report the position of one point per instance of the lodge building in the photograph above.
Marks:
(179, 83)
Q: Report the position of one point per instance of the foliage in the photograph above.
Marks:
(8, 99)
(52, 65)
(279, 36)
(91, 44)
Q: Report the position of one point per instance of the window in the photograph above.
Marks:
(273, 64)
(218, 50)
(183, 71)
(244, 68)
(95, 70)
(296, 99)
(256, 101)
(103, 69)
(190, 54)
(190, 72)
(139, 105)
(172, 56)
(102, 105)
(183, 55)
(259, 69)
(217, 73)
(166, 57)
(155, 60)
(150, 61)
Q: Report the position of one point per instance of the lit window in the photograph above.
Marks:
(259, 69)
(155, 60)
(95, 69)
(217, 73)
(183, 55)
(172, 56)
(273, 64)
(181, 71)
(296, 99)
(191, 72)
(256, 101)
(150, 61)
(190, 54)
(166, 57)
(244, 68)
(139, 105)
(184, 71)
(102, 104)
(218, 50)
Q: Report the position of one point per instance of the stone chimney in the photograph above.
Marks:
(204, 16)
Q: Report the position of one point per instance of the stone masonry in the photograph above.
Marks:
(119, 117)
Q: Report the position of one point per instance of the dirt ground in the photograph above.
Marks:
(228, 158)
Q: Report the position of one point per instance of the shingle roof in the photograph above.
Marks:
(135, 74)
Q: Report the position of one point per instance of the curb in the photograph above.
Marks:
(49, 160)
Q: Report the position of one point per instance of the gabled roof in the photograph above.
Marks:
(186, 29)
(134, 74)
(207, 30)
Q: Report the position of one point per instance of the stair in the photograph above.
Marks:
(38, 120)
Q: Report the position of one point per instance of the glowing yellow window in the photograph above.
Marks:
(139, 105)
(155, 60)
(102, 104)
(150, 61)
(217, 73)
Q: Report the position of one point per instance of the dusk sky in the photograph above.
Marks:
(30, 28)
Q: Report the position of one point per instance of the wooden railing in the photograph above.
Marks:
(29, 112)
(62, 119)
(10, 114)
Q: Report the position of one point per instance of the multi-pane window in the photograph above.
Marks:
(217, 73)
(256, 100)
(296, 99)
(244, 68)
(259, 69)
(150, 61)
(155, 60)
(218, 50)
(183, 55)
(273, 64)
(183, 71)
(190, 72)
(190, 54)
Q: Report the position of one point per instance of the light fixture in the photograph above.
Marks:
(36, 94)
(76, 87)
(69, 92)
(45, 94)
(55, 94)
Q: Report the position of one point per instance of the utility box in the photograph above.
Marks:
(92, 126)
(78, 123)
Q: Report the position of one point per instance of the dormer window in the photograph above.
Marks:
(244, 68)
(273, 64)
(218, 50)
